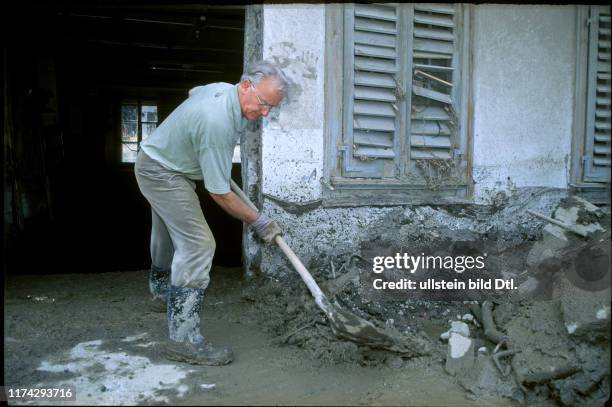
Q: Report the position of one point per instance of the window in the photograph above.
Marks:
(138, 121)
(590, 168)
(400, 94)
(597, 133)
(236, 157)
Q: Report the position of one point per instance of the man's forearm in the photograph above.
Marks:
(233, 205)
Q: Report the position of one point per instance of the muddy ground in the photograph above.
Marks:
(94, 331)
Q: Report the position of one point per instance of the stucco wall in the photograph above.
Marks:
(523, 81)
(523, 102)
(292, 143)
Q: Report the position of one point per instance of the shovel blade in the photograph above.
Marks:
(348, 326)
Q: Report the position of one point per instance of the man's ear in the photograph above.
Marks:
(244, 85)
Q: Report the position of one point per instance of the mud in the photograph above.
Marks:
(550, 366)
(295, 208)
(94, 331)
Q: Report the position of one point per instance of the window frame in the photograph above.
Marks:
(341, 191)
(579, 182)
(139, 103)
(590, 173)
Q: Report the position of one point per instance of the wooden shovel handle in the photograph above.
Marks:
(293, 258)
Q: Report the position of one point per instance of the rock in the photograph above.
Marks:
(586, 383)
(603, 313)
(579, 213)
(564, 392)
(461, 328)
(467, 317)
(458, 327)
(503, 313)
(586, 314)
(506, 275)
(478, 343)
(585, 318)
(587, 205)
(554, 233)
(460, 354)
(395, 362)
(575, 212)
(528, 288)
(543, 250)
(485, 381)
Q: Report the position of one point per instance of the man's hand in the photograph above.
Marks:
(266, 228)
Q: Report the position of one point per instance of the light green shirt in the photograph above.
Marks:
(198, 137)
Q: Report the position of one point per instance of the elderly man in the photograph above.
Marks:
(196, 141)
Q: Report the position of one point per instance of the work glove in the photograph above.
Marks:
(266, 228)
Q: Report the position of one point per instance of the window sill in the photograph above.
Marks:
(364, 192)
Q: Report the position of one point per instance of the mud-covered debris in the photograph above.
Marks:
(504, 312)
(554, 233)
(484, 382)
(40, 298)
(587, 315)
(543, 250)
(528, 288)
(457, 327)
(468, 318)
(580, 215)
(584, 388)
(460, 354)
(546, 374)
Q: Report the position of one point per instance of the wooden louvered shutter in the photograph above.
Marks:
(433, 123)
(597, 148)
(373, 92)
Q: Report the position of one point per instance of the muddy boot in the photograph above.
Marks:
(186, 343)
(159, 279)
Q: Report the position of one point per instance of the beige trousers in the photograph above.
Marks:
(180, 237)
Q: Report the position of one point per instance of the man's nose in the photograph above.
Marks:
(265, 112)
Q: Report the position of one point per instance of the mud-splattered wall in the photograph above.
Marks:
(522, 88)
(292, 150)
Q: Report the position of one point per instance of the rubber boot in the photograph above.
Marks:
(159, 280)
(186, 342)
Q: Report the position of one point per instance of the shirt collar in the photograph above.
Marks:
(240, 122)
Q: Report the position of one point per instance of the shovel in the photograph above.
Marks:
(344, 325)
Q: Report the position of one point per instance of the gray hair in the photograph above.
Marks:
(264, 69)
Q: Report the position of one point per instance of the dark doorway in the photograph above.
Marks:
(71, 200)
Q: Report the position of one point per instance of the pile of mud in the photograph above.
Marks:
(287, 312)
(556, 332)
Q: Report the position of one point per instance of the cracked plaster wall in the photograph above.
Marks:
(292, 142)
(523, 96)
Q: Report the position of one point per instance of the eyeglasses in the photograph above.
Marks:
(267, 106)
